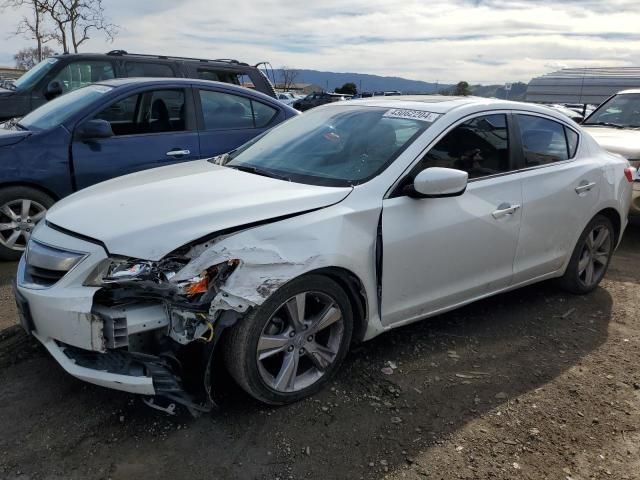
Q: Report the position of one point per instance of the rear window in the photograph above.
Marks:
(146, 69)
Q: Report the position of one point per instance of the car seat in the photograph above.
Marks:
(159, 117)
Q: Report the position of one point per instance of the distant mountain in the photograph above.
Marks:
(364, 82)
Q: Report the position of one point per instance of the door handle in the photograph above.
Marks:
(505, 209)
(585, 187)
(178, 153)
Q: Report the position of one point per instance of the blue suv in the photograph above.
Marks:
(116, 127)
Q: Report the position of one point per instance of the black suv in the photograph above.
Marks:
(316, 99)
(62, 73)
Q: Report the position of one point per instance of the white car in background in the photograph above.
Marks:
(615, 125)
(334, 227)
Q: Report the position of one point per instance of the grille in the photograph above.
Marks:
(46, 265)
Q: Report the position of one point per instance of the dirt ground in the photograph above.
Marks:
(533, 384)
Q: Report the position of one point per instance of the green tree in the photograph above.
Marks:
(462, 89)
(347, 89)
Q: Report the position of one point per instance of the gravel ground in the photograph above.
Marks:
(531, 384)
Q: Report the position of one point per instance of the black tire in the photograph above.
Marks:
(240, 348)
(11, 194)
(572, 280)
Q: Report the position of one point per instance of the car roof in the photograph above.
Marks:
(121, 54)
(444, 104)
(173, 81)
(632, 90)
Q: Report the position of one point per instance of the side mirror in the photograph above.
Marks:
(94, 129)
(54, 89)
(437, 182)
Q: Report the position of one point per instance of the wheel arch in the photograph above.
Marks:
(354, 288)
(34, 186)
(613, 215)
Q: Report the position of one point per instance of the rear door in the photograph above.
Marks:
(560, 188)
(227, 120)
(152, 128)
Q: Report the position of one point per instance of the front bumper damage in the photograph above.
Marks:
(139, 336)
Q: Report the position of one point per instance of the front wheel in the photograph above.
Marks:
(20, 209)
(591, 257)
(292, 345)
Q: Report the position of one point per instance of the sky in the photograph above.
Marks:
(480, 41)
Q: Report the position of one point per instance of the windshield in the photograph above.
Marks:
(62, 108)
(33, 76)
(619, 111)
(338, 146)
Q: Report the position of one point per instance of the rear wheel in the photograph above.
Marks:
(290, 346)
(20, 209)
(591, 257)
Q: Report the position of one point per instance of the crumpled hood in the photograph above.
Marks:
(11, 137)
(148, 214)
(626, 142)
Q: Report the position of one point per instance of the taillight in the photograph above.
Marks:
(629, 172)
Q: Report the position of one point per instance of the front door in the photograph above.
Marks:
(440, 252)
(151, 129)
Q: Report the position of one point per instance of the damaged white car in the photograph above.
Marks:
(335, 226)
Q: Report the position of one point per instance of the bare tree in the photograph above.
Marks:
(32, 24)
(76, 19)
(288, 77)
(27, 58)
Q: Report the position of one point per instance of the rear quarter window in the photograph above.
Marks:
(572, 141)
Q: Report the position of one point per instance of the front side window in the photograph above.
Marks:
(543, 140)
(479, 146)
(158, 111)
(80, 74)
(619, 111)
(146, 69)
(339, 146)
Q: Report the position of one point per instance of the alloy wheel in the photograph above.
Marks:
(300, 341)
(17, 219)
(595, 256)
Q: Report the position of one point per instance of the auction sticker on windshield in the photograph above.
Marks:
(411, 114)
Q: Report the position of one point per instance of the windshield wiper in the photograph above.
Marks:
(258, 171)
(605, 124)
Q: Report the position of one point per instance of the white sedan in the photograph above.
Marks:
(353, 219)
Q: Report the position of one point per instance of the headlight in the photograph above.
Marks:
(130, 271)
(113, 270)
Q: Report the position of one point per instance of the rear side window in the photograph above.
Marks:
(263, 114)
(225, 76)
(229, 112)
(479, 146)
(82, 73)
(543, 140)
(146, 69)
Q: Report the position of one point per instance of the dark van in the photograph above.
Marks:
(63, 73)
